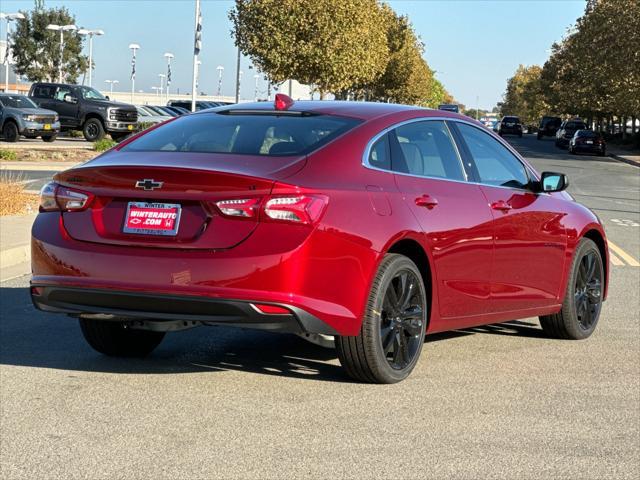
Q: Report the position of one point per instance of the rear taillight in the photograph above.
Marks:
(299, 209)
(242, 207)
(57, 197)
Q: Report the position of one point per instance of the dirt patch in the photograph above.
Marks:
(13, 199)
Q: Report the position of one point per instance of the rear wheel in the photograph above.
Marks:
(118, 137)
(115, 339)
(93, 130)
(10, 132)
(393, 329)
(583, 298)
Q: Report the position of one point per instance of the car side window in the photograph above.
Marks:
(426, 149)
(496, 165)
(62, 91)
(44, 91)
(379, 156)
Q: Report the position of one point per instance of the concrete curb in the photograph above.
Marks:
(624, 160)
(15, 256)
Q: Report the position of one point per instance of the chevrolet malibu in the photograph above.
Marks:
(371, 223)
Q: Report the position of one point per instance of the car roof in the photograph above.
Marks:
(361, 110)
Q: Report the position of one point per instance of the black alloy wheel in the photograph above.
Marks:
(393, 328)
(588, 291)
(401, 320)
(10, 132)
(583, 298)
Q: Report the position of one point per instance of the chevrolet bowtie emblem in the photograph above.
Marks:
(148, 184)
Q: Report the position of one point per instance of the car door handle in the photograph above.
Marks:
(426, 201)
(501, 205)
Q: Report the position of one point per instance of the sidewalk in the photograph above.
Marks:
(15, 246)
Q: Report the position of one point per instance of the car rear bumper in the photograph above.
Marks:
(127, 305)
(589, 148)
(323, 276)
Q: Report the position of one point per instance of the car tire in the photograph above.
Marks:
(391, 337)
(10, 132)
(93, 130)
(114, 339)
(539, 136)
(603, 153)
(583, 297)
(49, 138)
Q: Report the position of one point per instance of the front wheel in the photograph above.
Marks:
(583, 298)
(115, 339)
(93, 130)
(10, 132)
(393, 328)
(49, 138)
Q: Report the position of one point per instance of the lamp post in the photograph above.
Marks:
(157, 90)
(111, 82)
(90, 34)
(198, 63)
(168, 56)
(161, 75)
(220, 69)
(61, 29)
(8, 17)
(134, 47)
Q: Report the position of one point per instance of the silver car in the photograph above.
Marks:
(20, 116)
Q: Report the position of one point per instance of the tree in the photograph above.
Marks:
(524, 96)
(334, 46)
(36, 50)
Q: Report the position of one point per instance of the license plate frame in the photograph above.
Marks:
(47, 126)
(589, 142)
(126, 228)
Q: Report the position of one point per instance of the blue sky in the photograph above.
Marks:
(474, 45)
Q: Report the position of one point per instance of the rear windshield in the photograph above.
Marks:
(587, 133)
(247, 134)
(575, 126)
(511, 119)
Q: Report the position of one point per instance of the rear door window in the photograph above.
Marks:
(44, 91)
(426, 149)
(244, 134)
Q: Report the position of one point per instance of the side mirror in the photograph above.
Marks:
(107, 97)
(70, 99)
(553, 182)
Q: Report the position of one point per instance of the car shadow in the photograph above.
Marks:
(31, 338)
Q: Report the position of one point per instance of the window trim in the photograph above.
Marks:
(375, 138)
(532, 175)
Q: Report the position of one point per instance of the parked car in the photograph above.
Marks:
(566, 131)
(166, 111)
(510, 125)
(147, 115)
(236, 217)
(587, 141)
(178, 110)
(20, 116)
(186, 104)
(548, 127)
(84, 108)
(449, 107)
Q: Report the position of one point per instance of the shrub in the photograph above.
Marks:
(8, 155)
(104, 144)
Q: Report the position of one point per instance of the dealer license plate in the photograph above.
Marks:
(152, 218)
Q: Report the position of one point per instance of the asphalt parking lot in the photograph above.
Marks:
(492, 402)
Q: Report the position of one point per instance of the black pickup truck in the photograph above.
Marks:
(84, 108)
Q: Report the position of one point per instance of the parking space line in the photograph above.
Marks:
(615, 260)
(624, 255)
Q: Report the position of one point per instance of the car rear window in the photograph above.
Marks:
(244, 134)
(511, 119)
(575, 126)
(587, 133)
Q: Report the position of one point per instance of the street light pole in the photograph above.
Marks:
(133, 47)
(161, 75)
(220, 69)
(61, 29)
(90, 34)
(238, 75)
(256, 77)
(8, 17)
(111, 82)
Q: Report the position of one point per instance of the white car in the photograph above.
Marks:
(146, 115)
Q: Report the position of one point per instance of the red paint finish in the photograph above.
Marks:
(494, 254)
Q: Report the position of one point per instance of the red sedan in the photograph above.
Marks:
(372, 223)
